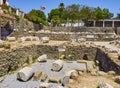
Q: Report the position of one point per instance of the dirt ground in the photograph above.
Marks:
(89, 81)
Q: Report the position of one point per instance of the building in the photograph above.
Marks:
(4, 2)
(76, 24)
(104, 23)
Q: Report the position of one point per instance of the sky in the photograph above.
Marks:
(27, 5)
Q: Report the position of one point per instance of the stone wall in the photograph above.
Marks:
(106, 63)
(68, 36)
(10, 60)
(83, 29)
(24, 24)
(15, 58)
(19, 24)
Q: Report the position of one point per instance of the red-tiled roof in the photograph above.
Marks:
(7, 16)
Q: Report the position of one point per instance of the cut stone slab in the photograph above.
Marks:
(57, 65)
(25, 74)
(35, 39)
(45, 39)
(45, 85)
(42, 58)
(11, 39)
(69, 75)
(37, 75)
(105, 85)
(54, 79)
(44, 77)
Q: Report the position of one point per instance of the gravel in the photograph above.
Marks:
(11, 82)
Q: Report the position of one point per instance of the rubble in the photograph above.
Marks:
(45, 85)
(105, 85)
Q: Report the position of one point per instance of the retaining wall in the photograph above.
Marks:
(15, 58)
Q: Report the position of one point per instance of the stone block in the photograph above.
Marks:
(25, 74)
(37, 75)
(45, 85)
(57, 65)
(73, 74)
(44, 77)
(45, 39)
(11, 39)
(42, 58)
(54, 79)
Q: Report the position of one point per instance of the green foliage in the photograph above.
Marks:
(37, 16)
(118, 16)
(86, 13)
(34, 59)
(75, 12)
(102, 13)
(54, 17)
(27, 60)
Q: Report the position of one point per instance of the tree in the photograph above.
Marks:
(54, 16)
(73, 12)
(107, 14)
(87, 13)
(37, 16)
(118, 16)
(98, 13)
(61, 8)
(103, 14)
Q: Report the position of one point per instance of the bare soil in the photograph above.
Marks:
(89, 81)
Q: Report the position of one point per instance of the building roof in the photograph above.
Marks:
(7, 16)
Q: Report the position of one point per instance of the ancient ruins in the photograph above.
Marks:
(83, 58)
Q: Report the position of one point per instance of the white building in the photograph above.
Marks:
(76, 24)
(4, 2)
(1, 2)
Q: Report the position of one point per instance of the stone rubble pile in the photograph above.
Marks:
(28, 38)
(115, 42)
(27, 73)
